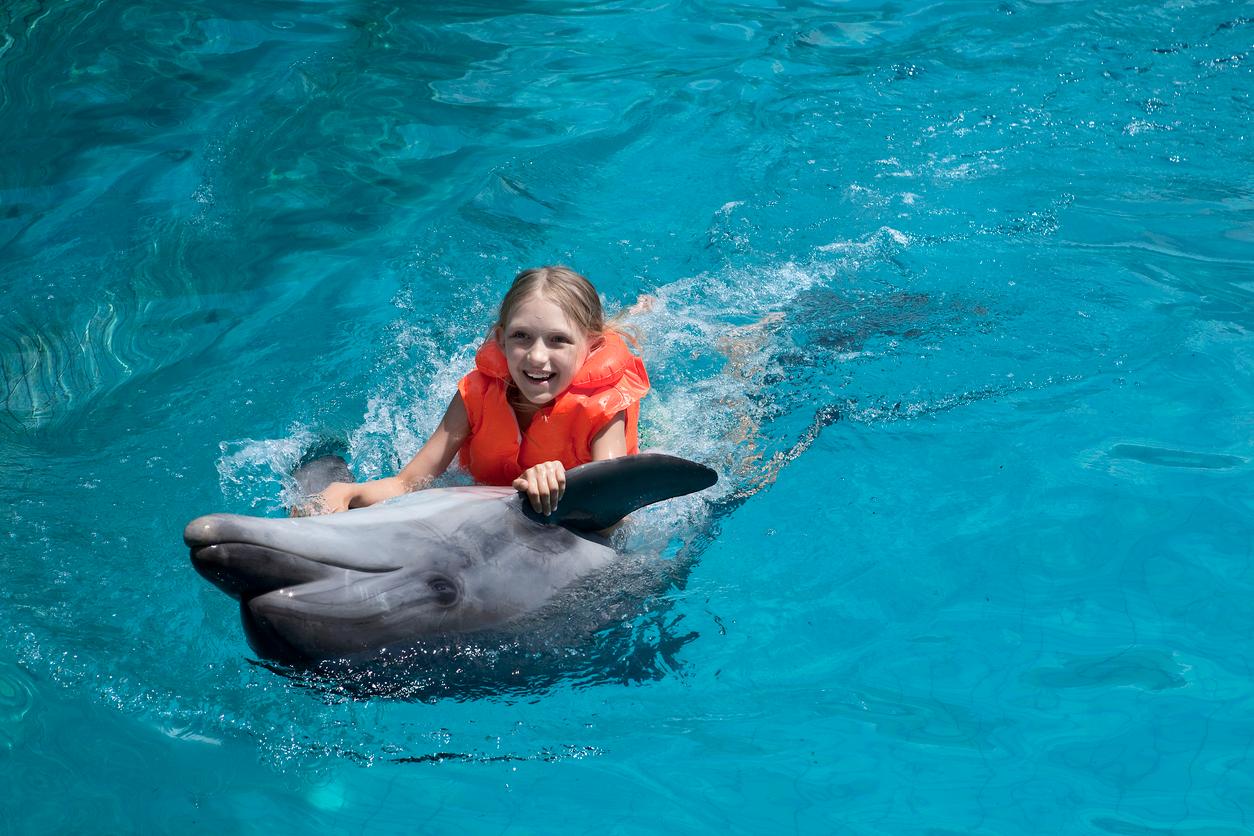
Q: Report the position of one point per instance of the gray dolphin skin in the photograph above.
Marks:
(435, 562)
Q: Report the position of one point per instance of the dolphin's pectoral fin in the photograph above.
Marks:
(600, 494)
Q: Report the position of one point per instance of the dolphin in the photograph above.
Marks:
(434, 563)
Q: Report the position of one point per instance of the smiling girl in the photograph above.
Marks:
(553, 387)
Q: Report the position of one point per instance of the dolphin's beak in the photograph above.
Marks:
(221, 553)
(205, 531)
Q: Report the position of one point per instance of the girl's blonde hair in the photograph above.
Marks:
(570, 291)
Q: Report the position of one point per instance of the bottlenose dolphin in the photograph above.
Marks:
(433, 563)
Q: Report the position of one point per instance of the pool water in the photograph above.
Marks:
(957, 297)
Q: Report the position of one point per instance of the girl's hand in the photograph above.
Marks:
(335, 497)
(544, 485)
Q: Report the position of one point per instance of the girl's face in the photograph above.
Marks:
(543, 349)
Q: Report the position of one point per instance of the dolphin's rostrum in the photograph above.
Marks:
(441, 561)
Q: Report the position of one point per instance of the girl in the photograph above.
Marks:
(553, 387)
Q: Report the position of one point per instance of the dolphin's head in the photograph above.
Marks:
(436, 562)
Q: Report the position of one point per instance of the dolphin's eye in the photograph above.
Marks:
(445, 591)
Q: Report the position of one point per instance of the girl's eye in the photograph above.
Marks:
(518, 335)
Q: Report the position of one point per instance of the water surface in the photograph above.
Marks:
(956, 297)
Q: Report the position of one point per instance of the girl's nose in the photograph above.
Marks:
(538, 353)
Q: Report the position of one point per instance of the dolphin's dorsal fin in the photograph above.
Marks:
(600, 494)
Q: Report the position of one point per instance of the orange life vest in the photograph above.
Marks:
(611, 380)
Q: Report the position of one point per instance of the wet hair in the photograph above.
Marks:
(570, 291)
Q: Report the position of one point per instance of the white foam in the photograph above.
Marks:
(875, 244)
(407, 407)
(255, 473)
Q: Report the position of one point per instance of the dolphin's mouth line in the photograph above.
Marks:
(330, 564)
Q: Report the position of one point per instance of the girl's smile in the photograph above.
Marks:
(543, 349)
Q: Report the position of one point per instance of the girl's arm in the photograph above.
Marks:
(545, 483)
(432, 460)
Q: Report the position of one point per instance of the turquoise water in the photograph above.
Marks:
(956, 296)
